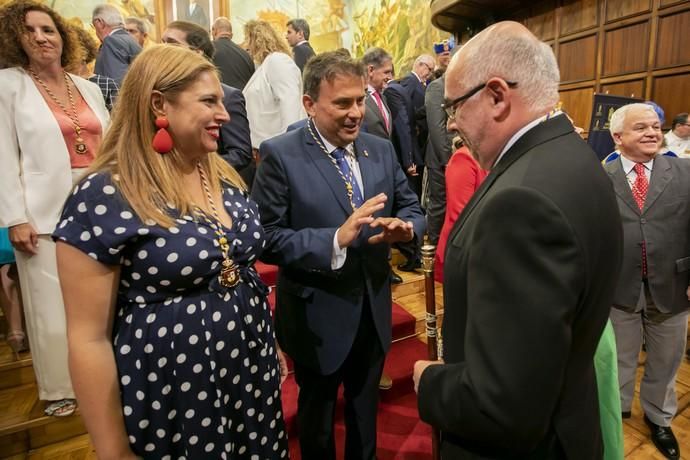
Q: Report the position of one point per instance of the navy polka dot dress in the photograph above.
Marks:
(196, 361)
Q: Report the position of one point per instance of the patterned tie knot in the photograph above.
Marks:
(338, 153)
(639, 169)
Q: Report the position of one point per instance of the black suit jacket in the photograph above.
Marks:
(235, 65)
(198, 16)
(117, 52)
(404, 136)
(531, 266)
(235, 144)
(664, 224)
(417, 91)
(302, 201)
(302, 54)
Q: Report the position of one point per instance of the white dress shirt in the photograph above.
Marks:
(340, 254)
(629, 170)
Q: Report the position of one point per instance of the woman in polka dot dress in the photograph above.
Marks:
(172, 350)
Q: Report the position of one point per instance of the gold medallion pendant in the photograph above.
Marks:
(80, 146)
(229, 275)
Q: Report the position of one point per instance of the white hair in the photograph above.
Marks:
(109, 15)
(425, 58)
(618, 117)
(519, 58)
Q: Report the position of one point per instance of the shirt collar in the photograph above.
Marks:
(628, 164)
(371, 89)
(297, 44)
(415, 74)
(330, 147)
(521, 132)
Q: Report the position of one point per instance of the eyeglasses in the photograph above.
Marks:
(451, 107)
(431, 69)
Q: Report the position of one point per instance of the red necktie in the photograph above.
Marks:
(639, 191)
(379, 103)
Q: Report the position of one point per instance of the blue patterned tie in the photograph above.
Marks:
(339, 155)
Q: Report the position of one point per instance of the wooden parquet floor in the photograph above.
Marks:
(638, 445)
(19, 406)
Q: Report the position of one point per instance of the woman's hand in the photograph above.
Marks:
(282, 363)
(24, 238)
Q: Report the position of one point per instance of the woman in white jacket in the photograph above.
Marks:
(274, 93)
(51, 123)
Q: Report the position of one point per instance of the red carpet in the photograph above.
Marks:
(401, 435)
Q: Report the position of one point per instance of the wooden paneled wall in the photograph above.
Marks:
(635, 48)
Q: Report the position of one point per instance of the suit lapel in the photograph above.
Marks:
(373, 107)
(328, 170)
(621, 186)
(543, 132)
(661, 176)
(366, 168)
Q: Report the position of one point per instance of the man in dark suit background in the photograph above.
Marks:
(297, 36)
(438, 152)
(118, 48)
(530, 267)
(332, 200)
(234, 144)
(652, 293)
(235, 65)
(195, 13)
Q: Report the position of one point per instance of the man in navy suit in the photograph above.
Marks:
(332, 200)
(118, 48)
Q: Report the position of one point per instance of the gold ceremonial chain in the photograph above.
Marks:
(348, 183)
(80, 145)
(229, 272)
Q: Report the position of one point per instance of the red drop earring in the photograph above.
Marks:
(162, 141)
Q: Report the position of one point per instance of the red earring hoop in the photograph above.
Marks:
(162, 141)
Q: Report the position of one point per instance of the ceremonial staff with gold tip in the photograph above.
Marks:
(428, 251)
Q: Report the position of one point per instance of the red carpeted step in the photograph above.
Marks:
(403, 322)
(268, 273)
(401, 435)
(399, 366)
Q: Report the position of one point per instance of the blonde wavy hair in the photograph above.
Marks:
(262, 39)
(148, 180)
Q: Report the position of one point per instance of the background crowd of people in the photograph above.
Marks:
(134, 243)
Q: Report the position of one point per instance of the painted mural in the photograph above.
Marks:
(402, 27)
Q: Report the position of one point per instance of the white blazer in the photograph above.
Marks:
(274, 97)
(35, 172)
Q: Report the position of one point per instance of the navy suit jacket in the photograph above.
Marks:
(302, 202)
(302, 53)
(117, 52)
(404, 136)
(417, 93)
(235, 144)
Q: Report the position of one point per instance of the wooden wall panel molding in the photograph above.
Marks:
(542, 20)
(672, 92)
(618, 9)
(625, 49)
(577, 59)
(578, 104)
(631, 88)
(672, 48)
(579, 15)
(665, 3)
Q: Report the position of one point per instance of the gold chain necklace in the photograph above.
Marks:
(229, 272)
(348, 183)
(79, 146)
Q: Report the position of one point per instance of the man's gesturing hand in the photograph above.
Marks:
(363, 215)
(394, 230)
